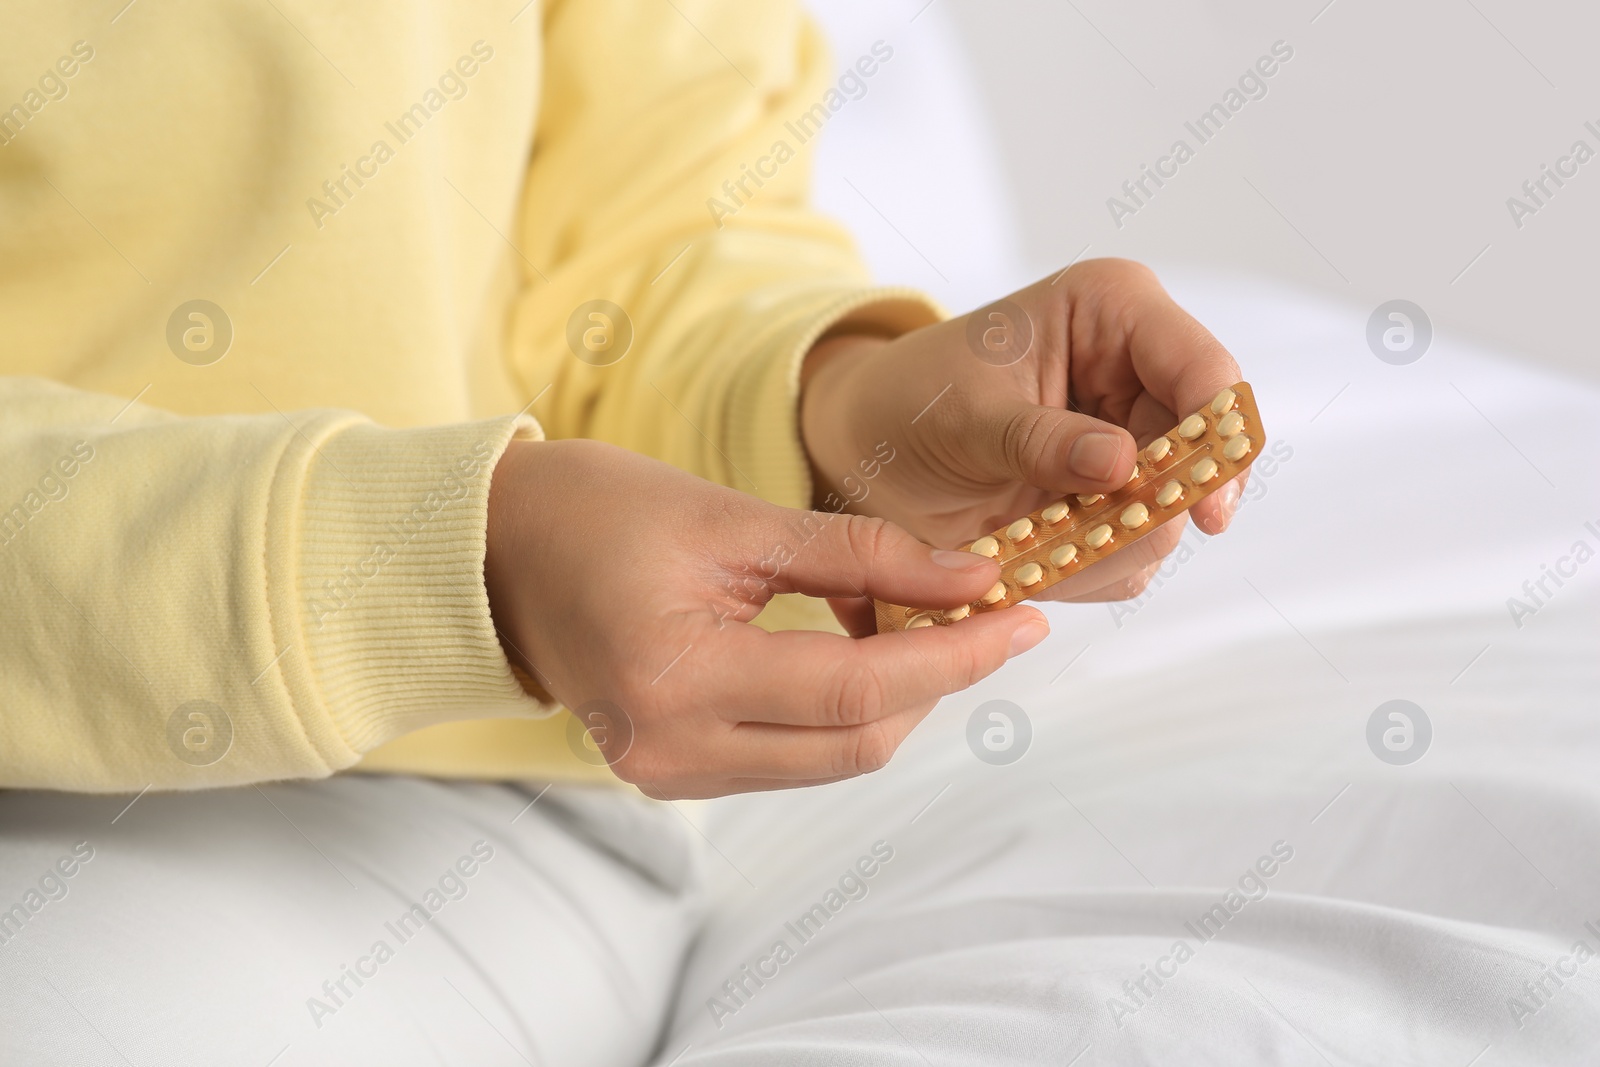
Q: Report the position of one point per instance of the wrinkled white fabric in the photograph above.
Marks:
(203, 927)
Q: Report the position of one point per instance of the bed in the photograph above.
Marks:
(1420, 541)
(1204, 772)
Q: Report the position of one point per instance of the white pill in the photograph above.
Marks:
(957, 614)
(1204, 471)
(1029, 574)
(985, 546)
(1230, 424)
(1135, 516)
(1134, 476)
(1192, 427)
(1224, 401)
(1157, 450)
(1099, 536)
(918, 621)
(1088, 498)
(1169, 494)
(1063, 555)
(1054, 513)
(1020, 529)
(1237, 448)
(996, 593)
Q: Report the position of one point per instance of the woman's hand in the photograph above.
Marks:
(617, 578)
(992, 415)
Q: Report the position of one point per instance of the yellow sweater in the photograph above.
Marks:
(242, 539)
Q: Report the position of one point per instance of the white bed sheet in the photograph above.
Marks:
(1174, 746)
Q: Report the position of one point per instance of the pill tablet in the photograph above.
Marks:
(1099, 536)
(1029, 574)
(1224, 402)
(1089, 498)
(1157, 450)
(1237, 448)
(1169, 494)
(1020, 529)
(1192, 427)
(918, 621)
(1204, 471)
(1054, 513)
(996, 593)
(1063, 555)
(1230, 424)
(957, 614)
(1135, 516)
(985, 546)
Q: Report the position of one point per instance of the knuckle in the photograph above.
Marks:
(1109, 274)
(1026, 438)
(1158, 545)
(1201, 378)
(1129, 269)
(1134, 585)
(976, 662)
(867, 537)
(856, 696)
(643, 770)
(869, 750)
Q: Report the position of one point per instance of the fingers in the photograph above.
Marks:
(856, 615)
(762, 756)
(1129, 338)
(1127, 588)
(759, 756)
(808, 678)
(804, 707)
(1215, 512)
(1120, 304)
(1181, 365)
(1047, 447)
(804, 753)
(1176, 358)
(860, 556)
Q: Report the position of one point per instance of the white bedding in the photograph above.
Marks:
(1175, 746)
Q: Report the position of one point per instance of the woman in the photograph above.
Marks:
(376, 383)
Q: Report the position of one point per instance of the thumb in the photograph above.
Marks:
(1058, 450)
(859, 555)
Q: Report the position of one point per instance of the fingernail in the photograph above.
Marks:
(1095, 456)
(1230, 502)
(1027, 635)
(959, 561)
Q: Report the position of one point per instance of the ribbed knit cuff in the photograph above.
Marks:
(387, 592)
(763, 436)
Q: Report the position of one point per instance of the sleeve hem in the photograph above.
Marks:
(378, 582)
(764, 440)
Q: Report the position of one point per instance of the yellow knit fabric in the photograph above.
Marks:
(243, 540)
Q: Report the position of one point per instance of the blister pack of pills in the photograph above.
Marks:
(1194, 459)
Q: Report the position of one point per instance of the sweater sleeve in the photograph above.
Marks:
(208, 601)
(667, 194)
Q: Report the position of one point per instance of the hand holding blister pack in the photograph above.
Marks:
(644, 628)
(1177, 470)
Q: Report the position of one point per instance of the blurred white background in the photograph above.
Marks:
(1377, 166)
